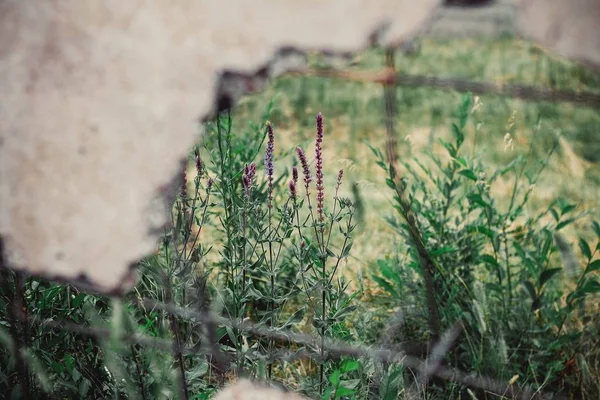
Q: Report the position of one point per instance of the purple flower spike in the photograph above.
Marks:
(339, 179)
(292, 187)
(248, 178)
(319, 128)
(305, 168)
(198, 162)
(319, 167)
(269, 160)
(295, 174)
(184, 181)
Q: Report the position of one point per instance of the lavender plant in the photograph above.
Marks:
(282, 251)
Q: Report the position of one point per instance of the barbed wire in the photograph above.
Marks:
(518, 91)
(334, 349)
(337, 349)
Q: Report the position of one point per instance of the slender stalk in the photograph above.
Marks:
(244, 260)
(176, 343)
(577, 287)
(427, 264)
(300, 257)
(508, 272)
(247, 182)
(272, 290)
(19, 339)
(346, 239)
(203, 220)
(225, 190)
(139, 371)
(323, 319)
(335, 201)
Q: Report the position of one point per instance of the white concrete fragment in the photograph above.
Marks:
(568, 27)
(246, 390)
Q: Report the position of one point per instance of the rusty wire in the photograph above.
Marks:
(517, 91)
(334, 349)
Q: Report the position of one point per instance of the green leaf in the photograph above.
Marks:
(84, 388)
(392, 172)
(461, 161)
(567, 208)
(594, 266)
(340, 314)
(554, 214)
(295, 318)
(547, 275)
(463, 111)
(347, 250)
(585, 248)
(350, 365)
(468, 174)
(343, 391)
(482, 229)
(57, 367)
(390, 183)
(257, 263)
(384, 284)
(564, 223)
(494, 287)
(489, 259)
(386, 270)
(475, 198)
(591, 286)
(334, 378)
(596, 228)
(449, 147)
(231, 335)
(75, 374)
(460, 137)
(80, 298)
(530, 289)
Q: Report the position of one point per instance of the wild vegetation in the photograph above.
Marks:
(291, 219)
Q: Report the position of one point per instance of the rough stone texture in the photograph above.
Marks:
(99, 102)
(246, 390)
(568, 27)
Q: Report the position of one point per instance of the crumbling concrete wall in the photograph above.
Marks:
(568, 27)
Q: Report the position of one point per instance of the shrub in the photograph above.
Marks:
(496, 269)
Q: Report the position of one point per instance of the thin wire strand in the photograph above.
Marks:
(517, 91)
(336, 349)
